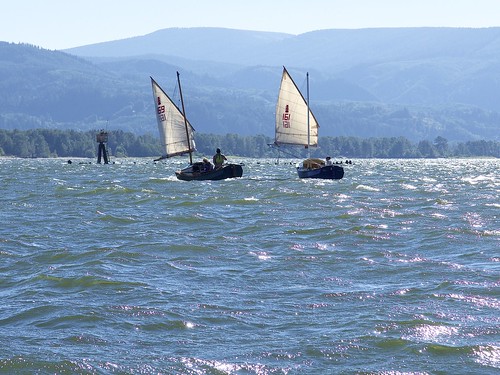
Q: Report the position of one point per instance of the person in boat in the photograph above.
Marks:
(329, 160)
(218, 159)
(207, 166)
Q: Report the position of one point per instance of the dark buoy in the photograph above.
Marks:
(102, 152)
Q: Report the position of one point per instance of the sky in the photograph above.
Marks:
(60, 24)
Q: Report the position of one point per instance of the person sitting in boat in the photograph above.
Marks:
(328, 161)
(207, 166)
(218, 159)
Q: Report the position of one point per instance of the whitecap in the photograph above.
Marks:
(408, 187)
(495, 205)
(367, 188)
(261, 255)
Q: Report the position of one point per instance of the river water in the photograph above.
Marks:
(123, 269)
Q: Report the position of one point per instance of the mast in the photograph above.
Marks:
(185, 120)
(308, 126)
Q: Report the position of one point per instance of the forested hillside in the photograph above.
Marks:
(419, 84)
(42, 143)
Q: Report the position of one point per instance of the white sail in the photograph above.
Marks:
(291, 116)
(176, 134)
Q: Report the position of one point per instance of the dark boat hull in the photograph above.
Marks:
(330, 172)
(227, 171)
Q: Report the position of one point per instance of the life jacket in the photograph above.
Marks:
(219, 159)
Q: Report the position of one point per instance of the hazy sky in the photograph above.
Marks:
(59, 24)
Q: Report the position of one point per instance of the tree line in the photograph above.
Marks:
(45, 143)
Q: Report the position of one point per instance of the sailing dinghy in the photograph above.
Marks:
(296, 125)
(177, 138)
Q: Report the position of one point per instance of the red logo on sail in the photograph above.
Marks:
(161, 110)
(286, 117)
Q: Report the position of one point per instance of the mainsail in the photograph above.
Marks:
(292, 120)
(176, 133)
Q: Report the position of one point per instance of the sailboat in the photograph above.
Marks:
(296, 125)
(177, 138)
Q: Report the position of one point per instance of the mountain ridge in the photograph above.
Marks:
(189, 43)
(414, 66)
(445, 80)
(370, 44)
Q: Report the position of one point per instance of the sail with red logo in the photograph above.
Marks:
(296, 125)
(177, 138)
(176, 133)
(293, 124)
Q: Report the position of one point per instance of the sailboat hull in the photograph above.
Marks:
(227, 171)
(296, 125)
(330, 172)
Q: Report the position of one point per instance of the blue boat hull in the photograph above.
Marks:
(331, 172)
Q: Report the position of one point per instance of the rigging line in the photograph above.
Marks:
(284, 151)
(175, 96)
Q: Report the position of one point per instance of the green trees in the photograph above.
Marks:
(42, 143)
(441, 145)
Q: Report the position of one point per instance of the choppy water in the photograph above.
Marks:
(122, 269)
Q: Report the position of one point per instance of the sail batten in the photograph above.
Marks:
(292, 116)
(174, 138)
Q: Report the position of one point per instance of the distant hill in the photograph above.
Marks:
(55, 87)
(200, 44)
(417, 82)
(422, 66)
